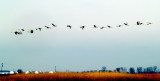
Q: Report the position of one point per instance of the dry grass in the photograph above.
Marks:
(93, 76)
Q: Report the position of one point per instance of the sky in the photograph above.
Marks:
(75, 49)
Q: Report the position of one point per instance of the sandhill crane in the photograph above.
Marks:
(95, 26)
(119, 25)
(39, 29)
(102, 27)
(15, 32)
(148, 23)
(139, 23)
(126, 24)
(30, 31)
(108, 26)
(54, 25)
(48, 27)
(19, 32)
(69, 26)
(82, 27)
(22, 29)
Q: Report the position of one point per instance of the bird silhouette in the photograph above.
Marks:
(48, 27)
(39, 29)
(148, 23)
(19, 32)
(22, 29)
(16, 32)
(139, 23)
(102, 27)
(108, 26)
(95, 26)
(126, 24)
(69, 26)
(119, 25)
(30, 31)
(82, 27)
(54, 25)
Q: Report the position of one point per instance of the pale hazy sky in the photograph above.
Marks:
(78, 50)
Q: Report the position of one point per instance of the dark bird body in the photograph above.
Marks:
(108, 26)
(95, 26)
(139, 23)
(22, 29)
(148, 23)
(69, 26)
(48, 27)
(16, 32)
(119, 25)
(102, 27)
(39, 29)
(82, 27)
(54, 25)
(126, 24)
(30, 31)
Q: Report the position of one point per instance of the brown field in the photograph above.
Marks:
(92, 76)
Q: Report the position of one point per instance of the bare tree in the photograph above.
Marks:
(132, 70)
(139, 69)
(103, 69)
(19, 71)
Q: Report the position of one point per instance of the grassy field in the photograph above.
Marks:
(92, 76)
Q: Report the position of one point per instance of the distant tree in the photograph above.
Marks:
(132, 70)
(104, 69)
(118, 69)
(121, 69)
(154, 68)
(145, 70)
(115, 70)
(19, 71)
(125, 70)
(91, 71)
(139, 69)
(150, 70)
(110, 71)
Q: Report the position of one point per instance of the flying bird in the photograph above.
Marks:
(39, 29)
(82, 27)
(126, 24)
(48, 27)
(108, 26)
(19, 32)
(15, 32)
(102, 27)
(95, 26)
(148, 23)
(69, 26)
(22, 29)
(30, 31)
(119, 25)
(139, 23)
(54, 25)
